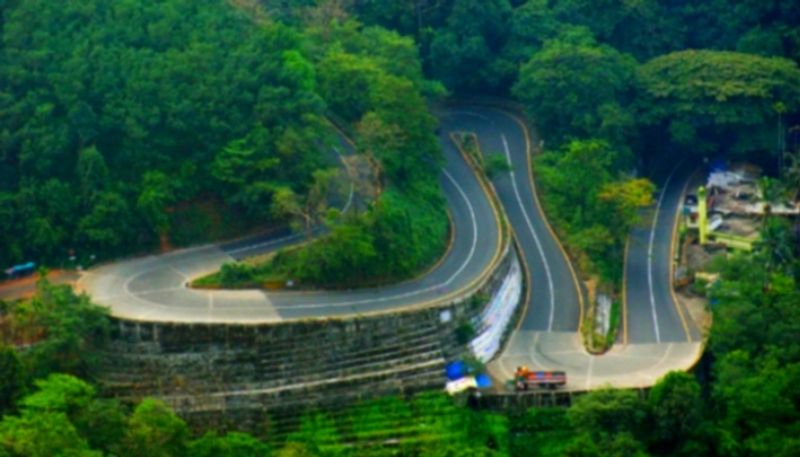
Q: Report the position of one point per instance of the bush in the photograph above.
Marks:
(64, 330)
(495, 164)
(465, 332)
(236, 274)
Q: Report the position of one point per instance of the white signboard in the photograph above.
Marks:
(460, 385)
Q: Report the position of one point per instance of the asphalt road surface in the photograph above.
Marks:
(547, 337)
(154, 288)
(653, 316)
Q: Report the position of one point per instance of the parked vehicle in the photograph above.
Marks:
(525, 379)
(22, 269)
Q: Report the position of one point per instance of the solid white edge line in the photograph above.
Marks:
(412, 293)
(473, 248)
(650, 250)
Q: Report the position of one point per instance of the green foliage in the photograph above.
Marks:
(59, 393)
(66, 330)
(757, 312)
(103, 422)
(462, 53)
(622, 444)
(92, 173)
(308, 212)
(757, 366)
(677, 410)
(155, 198)
(401, 234)
(12, 377)
(614, 323)
(155, 431)
(318, 435)
(96, 111)
(106, 228)
(465, 333)
(45, 425)
(244, 167)
(295, 449)
(606, 412)
(531, 24)
(593, 206)
(495, 164)
(717, 102)
(43, 434)
(576, 88)
(539, 432)
(405, 227)
(345, 81)
(233, 444)
(109, 127)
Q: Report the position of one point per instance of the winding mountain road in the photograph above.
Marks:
(548, 337)
(154, 288)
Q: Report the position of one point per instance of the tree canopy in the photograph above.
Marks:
(99, 103)
(718, 102)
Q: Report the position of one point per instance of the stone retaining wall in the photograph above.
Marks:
(223, 375)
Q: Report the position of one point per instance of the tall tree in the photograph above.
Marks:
(717, 102)
(576, 88)
(155, 431)
(67, 329)
(677, 409)
(463, 54)
(11, 377)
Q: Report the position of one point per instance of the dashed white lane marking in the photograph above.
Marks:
(550, 287)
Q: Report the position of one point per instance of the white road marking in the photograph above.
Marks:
(412, 293)
(550, 287)
(650, 251)
(473, 248)
(179, 273)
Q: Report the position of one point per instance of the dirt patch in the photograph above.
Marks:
(15, 289)
(698, 309)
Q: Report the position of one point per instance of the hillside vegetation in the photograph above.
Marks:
(129, 125)
(745, 404)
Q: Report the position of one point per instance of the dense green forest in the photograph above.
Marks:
(127, 125)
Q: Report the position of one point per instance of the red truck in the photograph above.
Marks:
(525, 379)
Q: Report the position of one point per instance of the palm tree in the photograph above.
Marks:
(776, 243)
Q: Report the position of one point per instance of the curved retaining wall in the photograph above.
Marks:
(223, 374)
